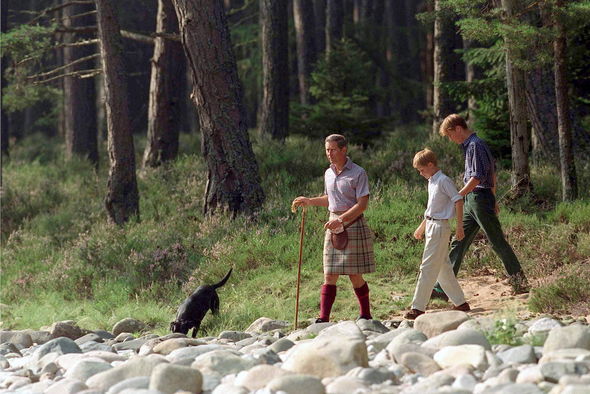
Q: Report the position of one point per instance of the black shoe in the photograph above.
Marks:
(318, 320)
(519, 283)
(439, 295)
(412, 314)
(464, 307)
(364, 317)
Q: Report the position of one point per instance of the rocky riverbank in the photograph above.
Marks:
(446, 352)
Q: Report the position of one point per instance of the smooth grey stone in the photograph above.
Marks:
(93, 346)
(61, 345)
(372, 325)
(139, 366)
(9, 347)
(265, 324)
(543, 326)
(574, 336)
(346, 384)
(246, 341)
(524, 354)
(92, 337)
(139, 382)
(193, 352)
(433, 324)
(228, 388)
(346, 329)
(281, 345)
(234, 336)
(134, 344)
(17, 338)
(297, 384)
(420, 363)
(266, 356)
(513, 388)
(221, 362)
(466, 336)
(171, 378)
(103, 334)
(84, 369)
(66, 329)
(129, 325)
(372, 375)
(554, 370)
(257, 377)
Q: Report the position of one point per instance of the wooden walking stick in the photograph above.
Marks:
(302, 231)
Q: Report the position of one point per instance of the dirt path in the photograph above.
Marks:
(487, 295)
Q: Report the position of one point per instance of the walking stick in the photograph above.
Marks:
(299, 267)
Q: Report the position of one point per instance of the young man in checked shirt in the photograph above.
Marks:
(481, 208)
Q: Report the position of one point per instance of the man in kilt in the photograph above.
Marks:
(346, 194)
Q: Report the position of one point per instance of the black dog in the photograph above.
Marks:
(192, 311)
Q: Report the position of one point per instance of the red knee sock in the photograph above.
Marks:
(362, 293)
(327, 297)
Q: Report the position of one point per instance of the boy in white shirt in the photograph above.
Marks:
(444, 202)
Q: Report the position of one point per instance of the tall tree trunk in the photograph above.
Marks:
(334, 23)
(274, 111)
(4, 119)
(165, 101)
(445, 65)
(564, 129)
(79, 94)
(519, 131)
(427, 61)
(319, 14)
(122, 200)
(233, 181)
(306, 51)
(470, 76)
(540, 99)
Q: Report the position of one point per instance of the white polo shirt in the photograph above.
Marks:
(442, 196)
(346, 188)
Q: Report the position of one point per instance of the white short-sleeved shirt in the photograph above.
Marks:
(442, 196)
(346, 188)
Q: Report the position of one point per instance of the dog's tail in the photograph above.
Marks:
(222, 282)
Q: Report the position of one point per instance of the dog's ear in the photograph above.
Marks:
(172, 326)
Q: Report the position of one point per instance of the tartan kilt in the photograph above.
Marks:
(357, 258)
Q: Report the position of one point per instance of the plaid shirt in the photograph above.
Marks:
(479, 162)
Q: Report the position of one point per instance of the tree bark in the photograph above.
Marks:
(319, 13)
(427, 61)
(519, 131)
(274, 111)
(445, 63)
(334, 23)
(164, 100)
(4, 116)
(79, 94)
(306, 51)
(564, 129)
(540, 99)
(233, 181)
(122, 200)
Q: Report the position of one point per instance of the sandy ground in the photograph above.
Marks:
(487, 295)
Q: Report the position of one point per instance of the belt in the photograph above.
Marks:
(429, 218)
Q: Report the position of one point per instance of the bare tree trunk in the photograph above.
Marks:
(519, 131)
(4, 120)
(334, 23)
(79, 94)
(470, 76)
(274, 111)
(122, 201)
(233, 181)
(445, 65)
(319, 14)
(306, 51)
(165, 101)
(540, 99)
(428, 61)
(566, 154)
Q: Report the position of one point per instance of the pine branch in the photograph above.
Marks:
(71, 44)
(78, 74)
(57, 8)
(83, 59)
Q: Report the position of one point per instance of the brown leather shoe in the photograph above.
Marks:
(413, 314)
(464, 307)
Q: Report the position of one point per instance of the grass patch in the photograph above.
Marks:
(62, 260)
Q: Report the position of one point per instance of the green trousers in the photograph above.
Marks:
(478, 212)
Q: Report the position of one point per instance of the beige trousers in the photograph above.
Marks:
(436, 266)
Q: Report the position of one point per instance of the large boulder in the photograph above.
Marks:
(140, 366)
(128, 325)
(432, 324)
(574, 336)
(169, 378)
(451, 356)
(463, 336)
(327, 356)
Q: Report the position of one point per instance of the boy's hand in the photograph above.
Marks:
(419, 233)
(459, 233)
